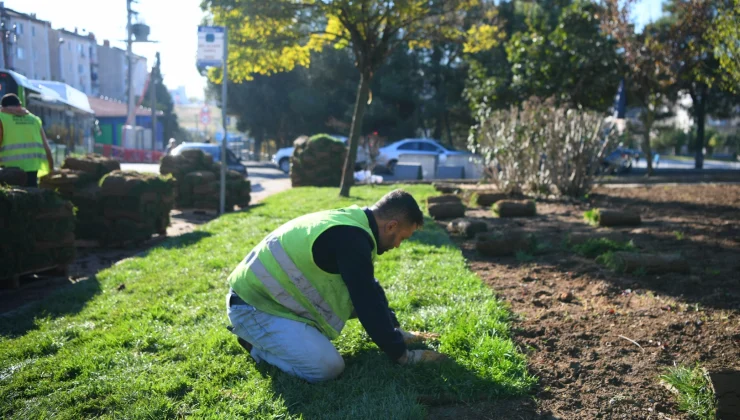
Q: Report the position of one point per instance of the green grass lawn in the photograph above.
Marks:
(159, 348)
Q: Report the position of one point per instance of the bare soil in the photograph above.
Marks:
(598, 340)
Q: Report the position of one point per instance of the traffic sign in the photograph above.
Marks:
(210, 46)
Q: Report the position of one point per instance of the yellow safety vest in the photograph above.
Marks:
(23, 146)
(280, 277)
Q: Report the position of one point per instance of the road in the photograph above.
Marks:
(266, 178)
(689, 164)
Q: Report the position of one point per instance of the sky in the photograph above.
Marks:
(174, 24)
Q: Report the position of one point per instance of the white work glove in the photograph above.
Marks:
(421, 356)
(410, 337)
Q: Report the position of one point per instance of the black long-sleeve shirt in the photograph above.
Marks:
(347, 250)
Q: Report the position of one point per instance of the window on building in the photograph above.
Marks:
(80, 68)
(35, 54)
(33, 31)
(19, 28)
(20, 53)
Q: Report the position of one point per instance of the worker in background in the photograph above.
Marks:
(171, 145)
(23, 142)
(297, 288)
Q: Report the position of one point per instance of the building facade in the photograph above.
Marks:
(24, 44)
(113, 69)
(73, 58)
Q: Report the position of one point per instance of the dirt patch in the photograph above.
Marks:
(598, 340)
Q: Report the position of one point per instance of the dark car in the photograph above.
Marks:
(619, 160)
(214, 150)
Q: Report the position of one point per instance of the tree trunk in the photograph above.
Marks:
(647, 149)
(348, 173)
(700, 115)
(259, 136)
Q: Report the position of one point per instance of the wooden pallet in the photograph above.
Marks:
(14, 282)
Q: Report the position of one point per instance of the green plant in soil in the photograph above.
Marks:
(693, 391)
(473, 202)
(610, 260)
(591, 217)
(158, 346)
(593, 248)
(678, 234)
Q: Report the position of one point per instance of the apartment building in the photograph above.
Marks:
(73, 58)
(24, 44)
(113, 69)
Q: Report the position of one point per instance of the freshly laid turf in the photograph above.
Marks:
(157, 347)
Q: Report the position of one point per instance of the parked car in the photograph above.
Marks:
(389, 155)
(619, 160)
(282, 157)
(214, 150)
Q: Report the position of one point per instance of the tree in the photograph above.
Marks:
(163, 102)
(724, 34)
(648, 73)
(569, 59)
(267, 37)
(552, 48)
(697, 69)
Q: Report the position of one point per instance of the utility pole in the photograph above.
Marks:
(224, 158)
(153, 95)
(131, 119)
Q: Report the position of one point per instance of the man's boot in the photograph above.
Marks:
(242, 342)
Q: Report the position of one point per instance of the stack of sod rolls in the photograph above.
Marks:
(317, 161)
(36, 231)
(198, 181)
(78, 181)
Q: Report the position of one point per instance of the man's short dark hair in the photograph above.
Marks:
(399, 205)
(10, 99)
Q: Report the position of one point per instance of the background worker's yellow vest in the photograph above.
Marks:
(280, 277)
(22, 145)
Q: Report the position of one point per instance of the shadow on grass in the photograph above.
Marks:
(66, 301)
(183, 241)
(374, 387)
(176, 242)
(250, 208)
(430, 235)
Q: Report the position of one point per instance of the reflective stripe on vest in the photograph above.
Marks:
(276, 290)
(22, 157)
(299, 280)
(20, 146)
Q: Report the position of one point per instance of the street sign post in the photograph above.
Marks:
(213, 51)
(211, 43)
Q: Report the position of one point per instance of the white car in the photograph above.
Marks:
(282, 157)
(389, 155)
